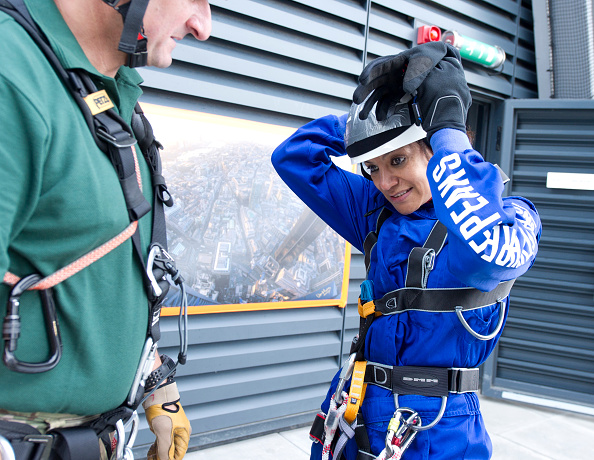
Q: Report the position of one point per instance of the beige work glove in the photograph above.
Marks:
(168, 421)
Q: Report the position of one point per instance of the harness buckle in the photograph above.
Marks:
(46, 439)
(112, 140)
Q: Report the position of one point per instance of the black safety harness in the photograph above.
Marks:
(117, 140)
(404, 380)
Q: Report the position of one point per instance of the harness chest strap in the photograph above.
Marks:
(434, 300)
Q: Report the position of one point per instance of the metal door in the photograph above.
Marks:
(546, 353)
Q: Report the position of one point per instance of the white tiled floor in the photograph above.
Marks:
(518, 432)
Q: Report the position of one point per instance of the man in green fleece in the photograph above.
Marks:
(61, 198)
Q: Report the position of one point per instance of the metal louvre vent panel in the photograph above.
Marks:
(507, 24)
(251, 372)
(547, 347)
(295, 59)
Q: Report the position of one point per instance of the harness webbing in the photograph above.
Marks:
(371, 238)
(416, 296)
(420, 260)
(439, 300)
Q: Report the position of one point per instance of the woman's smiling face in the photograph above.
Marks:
(401, 176)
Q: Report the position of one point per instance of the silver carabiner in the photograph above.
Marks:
(420, 427)
(154, 252)
(400, 430)
(123, 449)
(145, 367)
(6, 450)
(345, 373)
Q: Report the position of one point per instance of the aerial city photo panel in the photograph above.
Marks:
(240, 237)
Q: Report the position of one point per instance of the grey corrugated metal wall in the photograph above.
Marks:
(547, 347)
(287, 62)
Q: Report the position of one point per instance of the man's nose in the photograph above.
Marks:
(200, 23)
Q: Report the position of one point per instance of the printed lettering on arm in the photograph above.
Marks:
(478, 223)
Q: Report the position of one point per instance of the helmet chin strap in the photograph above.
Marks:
(133, 41)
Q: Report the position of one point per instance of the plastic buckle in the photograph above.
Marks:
(464, 380)
(138, 58)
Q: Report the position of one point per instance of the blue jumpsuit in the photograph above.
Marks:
(490, 239)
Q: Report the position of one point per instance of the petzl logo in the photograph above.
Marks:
(98, 102)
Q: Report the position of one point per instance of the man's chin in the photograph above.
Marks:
(162, 62)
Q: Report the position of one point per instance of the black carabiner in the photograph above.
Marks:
(11, 329)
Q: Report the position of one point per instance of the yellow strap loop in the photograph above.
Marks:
(366, 309)
(357, 392)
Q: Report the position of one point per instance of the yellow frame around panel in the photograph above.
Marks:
(228, 308)
(340, 302)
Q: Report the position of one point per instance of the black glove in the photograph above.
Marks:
(391, 77)
(444, 98)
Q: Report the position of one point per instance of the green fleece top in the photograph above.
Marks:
(60, 198)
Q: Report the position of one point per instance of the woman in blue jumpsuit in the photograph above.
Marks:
(490, 239)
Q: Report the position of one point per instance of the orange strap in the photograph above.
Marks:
(76, 266)
(366, 309)
(86, 260)
(357, 392)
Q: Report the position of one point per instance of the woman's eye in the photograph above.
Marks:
(369, 168)
(397, 160)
